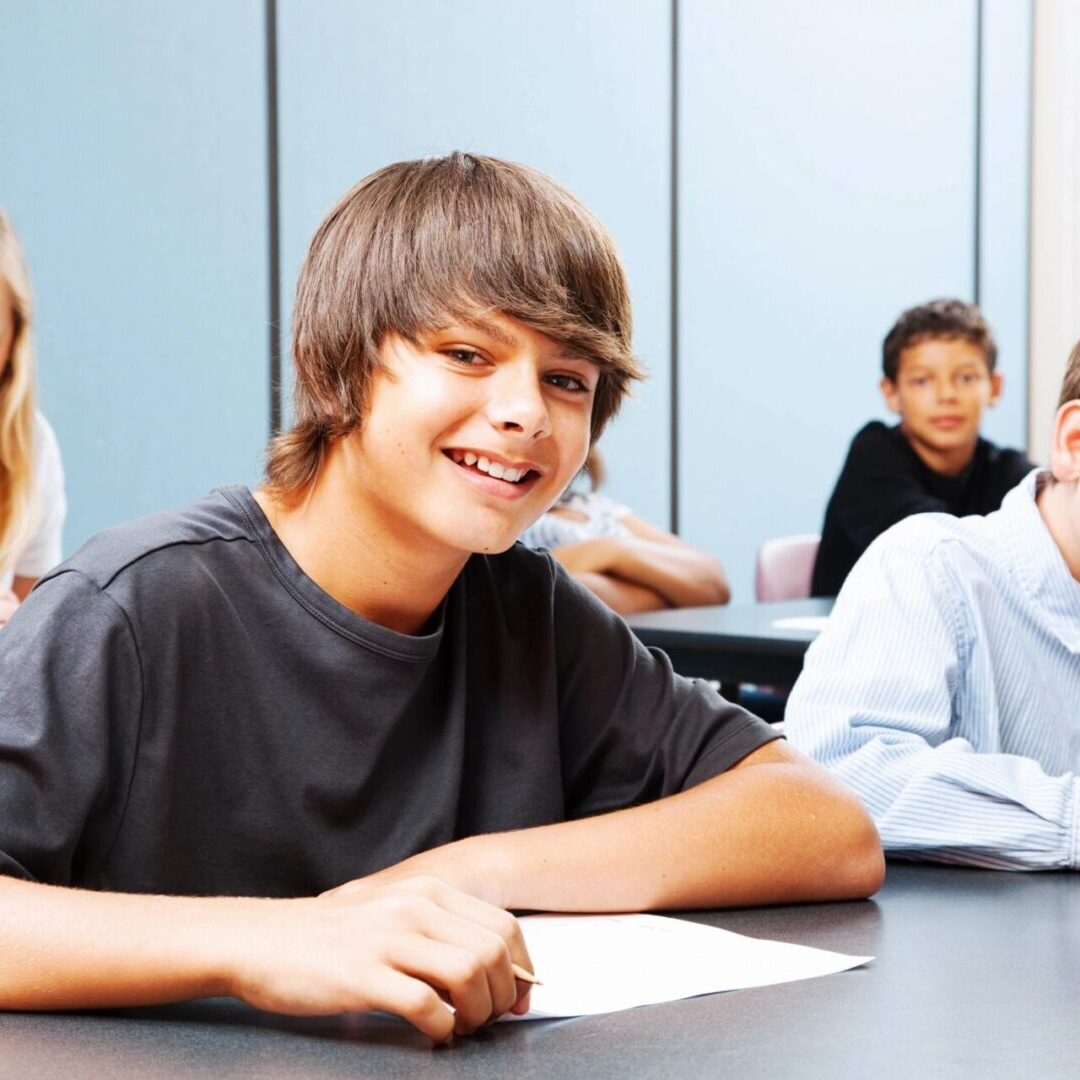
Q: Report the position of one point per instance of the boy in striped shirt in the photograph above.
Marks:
(944, 689)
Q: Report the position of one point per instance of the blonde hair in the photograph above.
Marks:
(17, 489)
(418, 242)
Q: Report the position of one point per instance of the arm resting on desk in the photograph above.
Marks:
(888, 702)
(774, 829)
(681, 575)
(625, 597)
(384, 947)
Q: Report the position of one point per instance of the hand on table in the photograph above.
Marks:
(400, 946)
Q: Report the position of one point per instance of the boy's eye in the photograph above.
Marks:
(568, 382)
(467, 357)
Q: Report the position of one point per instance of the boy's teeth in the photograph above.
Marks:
(486, 465)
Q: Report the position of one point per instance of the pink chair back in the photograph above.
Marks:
(785, 566)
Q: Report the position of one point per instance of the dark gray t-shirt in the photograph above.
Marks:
(183, 710)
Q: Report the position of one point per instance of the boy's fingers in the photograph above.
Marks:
(415, 1001)
(491, 933)
(487, 949)
(487, 915)
(459, 972)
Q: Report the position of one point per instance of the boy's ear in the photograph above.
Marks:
(997, 384)
(890, 394)
(1065, 443)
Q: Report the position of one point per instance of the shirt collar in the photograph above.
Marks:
(1036, 561)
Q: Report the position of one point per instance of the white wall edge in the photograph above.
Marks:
(1055, 211)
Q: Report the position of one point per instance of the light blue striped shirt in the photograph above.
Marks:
(945, 689)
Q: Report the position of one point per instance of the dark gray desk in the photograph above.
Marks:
(733, 644)
(978, 975)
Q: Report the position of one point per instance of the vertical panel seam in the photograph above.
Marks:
(673, 300)
(273, 221)
(1029, 248)
(977, 253)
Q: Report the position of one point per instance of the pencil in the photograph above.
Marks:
(525, 976)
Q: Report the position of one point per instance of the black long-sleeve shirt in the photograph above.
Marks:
(884, 481)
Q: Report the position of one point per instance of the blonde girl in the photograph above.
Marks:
(32, 503)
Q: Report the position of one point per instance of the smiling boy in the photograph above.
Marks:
(939, 375)
(345, 721)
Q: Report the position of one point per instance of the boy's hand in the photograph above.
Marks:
(401, 947)
(473, 865)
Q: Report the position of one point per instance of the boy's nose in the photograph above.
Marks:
(517, 405)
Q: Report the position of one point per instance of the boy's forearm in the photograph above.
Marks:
(777, 831)
(625, 597)
(682, 575)
(68, 948)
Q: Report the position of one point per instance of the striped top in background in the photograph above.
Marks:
(578, 516)
(945, 689)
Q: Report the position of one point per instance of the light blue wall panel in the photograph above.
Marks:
(132, 160)
(1004, 197)
(579, 90)
(826, 182)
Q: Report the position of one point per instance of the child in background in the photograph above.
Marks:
(631, 565)
(32, 504)
(939, 375)
(309, 745)
(945, 687)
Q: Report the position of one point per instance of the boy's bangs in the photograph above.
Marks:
(462, 234)
(461, 269)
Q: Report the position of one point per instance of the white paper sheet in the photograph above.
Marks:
(602, 963)
(802, 622)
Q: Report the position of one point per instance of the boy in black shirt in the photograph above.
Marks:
(344, 720)
(939, 364)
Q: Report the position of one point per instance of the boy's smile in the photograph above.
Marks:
(942, 387)
(503, 478)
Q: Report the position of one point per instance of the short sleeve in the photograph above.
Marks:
(631, 730)
(43, 550)
(70, 702)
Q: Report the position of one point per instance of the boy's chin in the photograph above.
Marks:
(492, 544)
(498, 547)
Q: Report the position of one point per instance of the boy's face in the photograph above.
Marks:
(473, 432)
(942, 387)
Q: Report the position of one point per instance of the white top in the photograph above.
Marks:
(599, 516)
(944, 689)
(42, 551)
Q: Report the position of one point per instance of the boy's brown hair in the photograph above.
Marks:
(1070, 385)
(416, 244)
(937, 320)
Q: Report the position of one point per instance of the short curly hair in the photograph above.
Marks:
(419, 243)
(937, 320)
